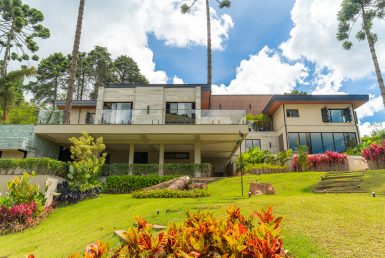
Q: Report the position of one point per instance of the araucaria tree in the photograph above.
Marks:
(364, 11)
(74, 59)
(20, 25)
(186, 8)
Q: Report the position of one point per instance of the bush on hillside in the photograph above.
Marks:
(128, 184)
(323, 161)
(168, 193)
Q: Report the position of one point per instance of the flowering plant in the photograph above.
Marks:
(318, 161)
(374, 152)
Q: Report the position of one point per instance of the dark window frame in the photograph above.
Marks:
(292, 113)
(177, 155)
(346, 119)
(252, 144)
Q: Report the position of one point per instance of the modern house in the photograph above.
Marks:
(187, 124)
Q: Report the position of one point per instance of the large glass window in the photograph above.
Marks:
(339, 141)
(350, 140)
(251, 144)
(338, 115)
(180, 113)
(292, 113)
(293, 140)
(321, 142)
(117, 113)
(316, 143)
(328, 141)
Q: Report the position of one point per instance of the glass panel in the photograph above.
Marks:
(293, 141)
(350, 139)
(328, 142)
(337, 116)
(304, 139)
(248, 144)
(339, 141)
(123, 106)
(316, 143)
(256, 143)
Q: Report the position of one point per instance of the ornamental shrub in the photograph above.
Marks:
(128, 184)
(168, 193)
(71, 195)
(323, 161)
(375, 153)
(202, 235)
(20, 190)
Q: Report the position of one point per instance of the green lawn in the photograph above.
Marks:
(315, 225)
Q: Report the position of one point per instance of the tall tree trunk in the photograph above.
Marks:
(75, 51)
(82, 86)
(373, 53)
(55, 93)
(209, 54)
(7, 52)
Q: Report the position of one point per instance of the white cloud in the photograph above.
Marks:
(313, 37)
(264, 73)
(328, 83)
(177, 80)
(366, 129)
(372, 107)
(123, 26)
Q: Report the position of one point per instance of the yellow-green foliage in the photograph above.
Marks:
(86, 146)
(20, 190)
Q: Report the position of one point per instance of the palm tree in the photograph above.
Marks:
(185, 8)
(74, 58)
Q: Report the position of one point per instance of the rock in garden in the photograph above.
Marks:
(261, 188)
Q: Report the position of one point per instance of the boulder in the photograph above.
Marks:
(261, 188)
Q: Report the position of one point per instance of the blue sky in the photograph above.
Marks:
(259, 46)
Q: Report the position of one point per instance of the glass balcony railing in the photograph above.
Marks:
(148, 116)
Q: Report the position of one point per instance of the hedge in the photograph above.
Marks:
(42, 166)
(168, 193)
(128, 184)
(177, 169)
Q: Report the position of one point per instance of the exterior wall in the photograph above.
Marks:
(266, 138)
(153, 98)
(14, 137)
(79, 114)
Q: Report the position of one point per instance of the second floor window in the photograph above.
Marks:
(180, 113)
(336, 115)
(292, 113)
(117, 113)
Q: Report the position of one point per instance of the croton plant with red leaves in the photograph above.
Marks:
(202, 235)
(375, 152)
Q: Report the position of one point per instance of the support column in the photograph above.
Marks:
(161, 159)
(131, 156)
(197, 158)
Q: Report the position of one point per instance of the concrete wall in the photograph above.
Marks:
(267, 139)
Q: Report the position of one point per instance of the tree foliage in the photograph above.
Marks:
(51, 77)
(20, 25)
(365, 12)
(11, 88)
(126, 71)
(22, 114)
(296, 92)
(85, 147)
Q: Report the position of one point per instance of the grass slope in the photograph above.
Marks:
(315, 225)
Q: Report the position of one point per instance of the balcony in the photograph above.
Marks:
(148, 117)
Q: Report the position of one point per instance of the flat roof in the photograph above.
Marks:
(190, 85)
(278, 100)
(77, 103)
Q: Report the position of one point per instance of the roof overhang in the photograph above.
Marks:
(277, 100)
(76, 103)
(215, 139)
